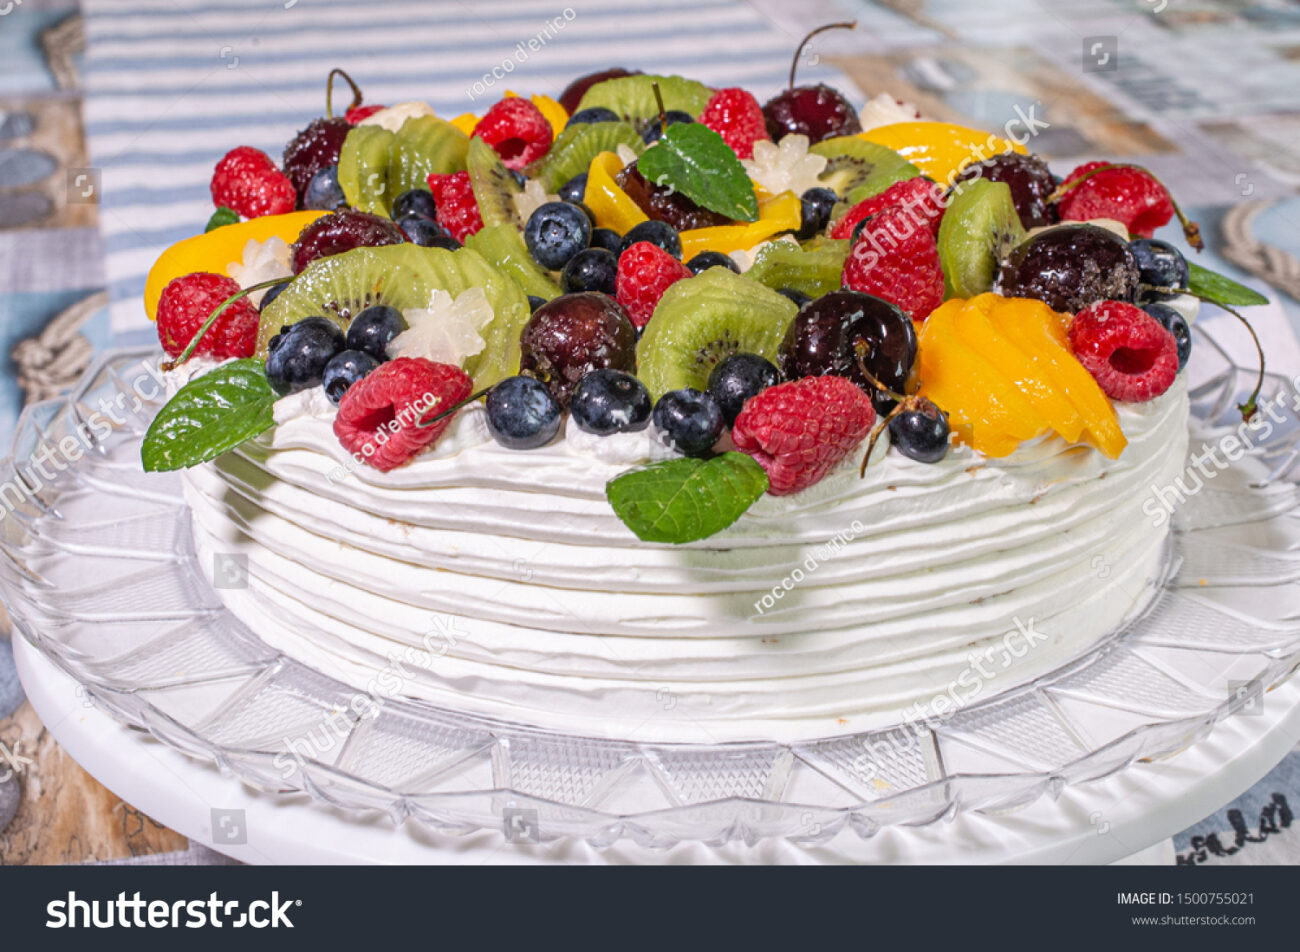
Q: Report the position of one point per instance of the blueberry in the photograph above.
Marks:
(594, 114)
(372, 329)
(921, 432)
(1160, 264)
(794, 294)
(691, 421)
(655, 130)
(522, 414)
(575, 189)
(607, 238)
(857, 230)
(534, 302)
(417, 201)
(555, 233)
(1175, 324)
(737, 378)
(657, 233)
(324, 194)
(271, 294)
(595, 269)
(424, 232)
(297, 355)
(444, 241)
(610, 401)
(344, 369)
(815, 211)
(586, 210)
(712, 259)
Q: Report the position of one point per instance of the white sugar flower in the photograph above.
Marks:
(788, 166)
(447, 331)
(885, 110)
(531, 198)
(262, 261)
(393, 117)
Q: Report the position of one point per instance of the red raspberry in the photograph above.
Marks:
(247, 180)
(1128, 352)
(736, 115)
(357, 113)
(517, 130)
(645, 272)
(917, 195)
(457, 208)
(1128, 195)
(379, 416)
(896, 259)
(189, 300)
(800, 431)
(314, 148)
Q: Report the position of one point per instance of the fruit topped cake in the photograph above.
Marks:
(655, 411)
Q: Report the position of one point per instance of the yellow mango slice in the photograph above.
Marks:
(465, 122)
(776, 214)
(940, 149)
(214, 250)
(611, 205)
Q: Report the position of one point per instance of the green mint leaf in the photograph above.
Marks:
(1221, 290)
(209, 415)
(694, 160)
(222, 216)
(682, 500)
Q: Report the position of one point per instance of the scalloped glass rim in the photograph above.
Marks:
(1136, 696)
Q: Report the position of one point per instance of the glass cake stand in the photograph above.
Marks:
(98, 571)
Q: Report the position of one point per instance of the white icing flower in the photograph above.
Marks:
(263, 261)
(885, 110)
(531, 198)
(788, 166)
(745, 259)
(625, 154)
(393, 117)
(447, 331)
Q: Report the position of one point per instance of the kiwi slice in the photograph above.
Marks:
(577, 145)
(633, 97)
(363, 169)
(494, 186)
(423, 146)
(979, 228)
(503, 247)
(815, 269)
(404, 276)
(857, 169)
(701, 320)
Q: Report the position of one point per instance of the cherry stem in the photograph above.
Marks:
(452, 409)
(861, 350)
(794, 64)
(1251, 406)
(663, 113)
(188, 352)
(329, 91)
(1191, 230)
(875, 435)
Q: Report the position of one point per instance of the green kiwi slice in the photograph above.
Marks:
(363, 169)
(404, 276)
(423, 146)
(633, 97)
(857, 169)
(815, 269)
(577, 145)
(503, 246)
(494, 186)
(701, 320)
(978, 230)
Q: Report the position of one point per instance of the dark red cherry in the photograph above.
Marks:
(572, 335)
(665, 204)
(818, 112)
(342, 231)
(1070, 267)
(1029, 180)
(574, 92)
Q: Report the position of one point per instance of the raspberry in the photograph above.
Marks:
(342, 231)
(736, 115)
(189, 300)
(247, 180)
(917, 195)
(1128, 352)
(800, 431)
(898, 260)
(315, 148)
(1128, 195)
(357, 113)
(457, 207)
(379, 415)
(645, 272)
(517, 130)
